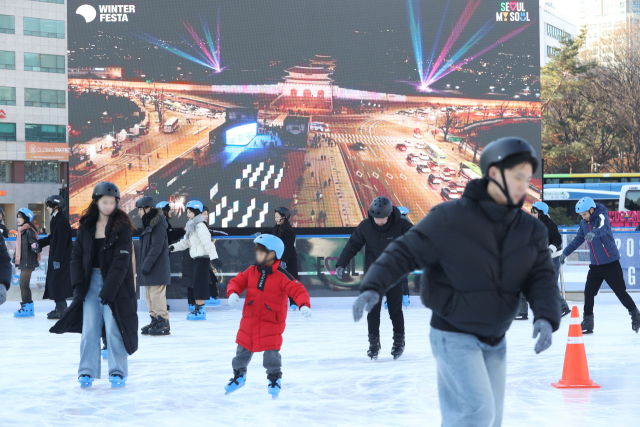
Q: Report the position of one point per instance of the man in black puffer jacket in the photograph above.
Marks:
(384, 224)
(478, 253)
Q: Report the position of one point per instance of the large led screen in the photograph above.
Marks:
(348, 100)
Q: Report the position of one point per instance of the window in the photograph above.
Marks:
(44, 63)
(45, 133)
(5, 171)
(7, 60)
(636, 4)
(51, 1)
(44, 98)
(41, 172)
(43, 28)
(7, 131)
(557, 33)
(7, 24)
(552, 51)
(7, 95)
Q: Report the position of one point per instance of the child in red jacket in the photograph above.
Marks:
(264, 313)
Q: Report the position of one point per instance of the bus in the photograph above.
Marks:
(435, 152)
(470, 165)
(590, 178)
(171, 125)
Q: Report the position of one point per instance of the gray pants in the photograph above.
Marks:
(271, 360)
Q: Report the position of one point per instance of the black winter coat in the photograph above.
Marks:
(290, 255)
(58, 283)
(153, 266)
(3, 230)
(117, 272)
(555, 238)
(5, 264)
(28, 257)
(376, 238)
(174, 234)
(477, 257)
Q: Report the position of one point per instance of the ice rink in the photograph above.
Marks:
(327, 379)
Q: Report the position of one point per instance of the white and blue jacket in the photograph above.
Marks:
(602, 249)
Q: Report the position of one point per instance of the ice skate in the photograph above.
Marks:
(117, 380)
(145, 329)
(55, 314)
(587, 324)
(374, 346)
(565, 308)
(386, 307)
(235, 383)
(26, 310)
(191, 307)
(523, 314)
(161, 327)
(635, 320)
(85, 381)
(212, 302)
(198, 313)
(274, 385)
(398, 346)
(406, 301)
(104, 351)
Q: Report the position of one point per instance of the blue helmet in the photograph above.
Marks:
(26, 212)
(403, 211)
(162, 205)
(585, 204)
(271, 242)
(542, 207)
(195, 204)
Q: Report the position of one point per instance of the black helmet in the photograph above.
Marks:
(145, 202)
(501, 149)
(284, 212)
(106, 188)
(381, 207)
(54, 200)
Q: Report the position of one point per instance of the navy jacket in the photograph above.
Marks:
(602, 249)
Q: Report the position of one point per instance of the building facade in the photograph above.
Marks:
(554, 26)
(602, 16)
(34, 149)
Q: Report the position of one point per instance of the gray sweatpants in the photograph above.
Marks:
(271, 360)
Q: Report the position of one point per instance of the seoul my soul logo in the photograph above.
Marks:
(108, 12)
(512, 11)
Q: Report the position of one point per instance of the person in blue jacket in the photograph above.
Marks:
(595, 229)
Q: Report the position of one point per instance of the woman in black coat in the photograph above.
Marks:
(103, 286)
(284, 231)
(58, 282)
(5, 270)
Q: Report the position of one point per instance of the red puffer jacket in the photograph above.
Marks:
(265, 305)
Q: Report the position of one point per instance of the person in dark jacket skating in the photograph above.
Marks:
(381, 227)
(285, 232)
(477, 253)
(102, 275)
(540, 210)
(5, 270)
(154, 271)
(213, 300)
(58, 281)
(3, 228)
(595, 229)
(26, 258)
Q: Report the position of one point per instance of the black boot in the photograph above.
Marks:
(564, 308)
(523, 313)
(145, 329)
(587, 324)
(635, 319)
(398, 346)
(161, 327)
(374, 346)
(61, 307)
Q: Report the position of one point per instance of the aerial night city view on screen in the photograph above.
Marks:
(251, 105)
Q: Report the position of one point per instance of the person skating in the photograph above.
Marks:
(383, 224)
(5, 270)
(477, 254)
(540, 210)
(265, 312)
(285, 232)
(3, 228)
(58, 282)
(202, 251)
(213, 300)
(26, 258)
(154, 271)
(102, 275)
(595, 229)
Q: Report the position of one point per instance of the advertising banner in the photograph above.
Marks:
(47, 151)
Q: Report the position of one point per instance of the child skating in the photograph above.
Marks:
(264, 314)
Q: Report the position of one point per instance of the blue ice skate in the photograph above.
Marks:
(385, 306)
(406, 301)
(117, 380)
(191, 308)
(212, 302)
(85, 381)
(104, 353)
(26, 310)
(235, 383)
(294, 307)
(274, 385)
(198, 313)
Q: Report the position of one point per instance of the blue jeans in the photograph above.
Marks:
(94, 316)
(471, 379)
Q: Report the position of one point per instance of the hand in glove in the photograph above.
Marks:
(35, 247)
(339, 271)
(3, 294)
(305, 312)
(283, 264)
(216, 263)
(543, 328)
(56, 265)
(171, 248)
(234, 299)
(589, 236)
(563, 257)
(365, 301)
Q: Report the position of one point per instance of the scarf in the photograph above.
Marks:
(21, 229)
(191, 225)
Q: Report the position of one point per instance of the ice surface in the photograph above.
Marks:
(328, 380)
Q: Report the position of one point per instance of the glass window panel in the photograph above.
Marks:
(31, 60)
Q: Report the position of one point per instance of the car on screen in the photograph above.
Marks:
(420, 145)
(423, 168)
(449, 194)
(435, 180)
(417, 133)
(401, 147)
(412, 158)
(446, 177)
(359, 146)
(318, 127)
(449, 169)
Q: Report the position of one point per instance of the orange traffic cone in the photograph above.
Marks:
(576, 372)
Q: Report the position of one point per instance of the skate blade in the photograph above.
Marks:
(274, 396)
(587, 332)
(229, 392)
